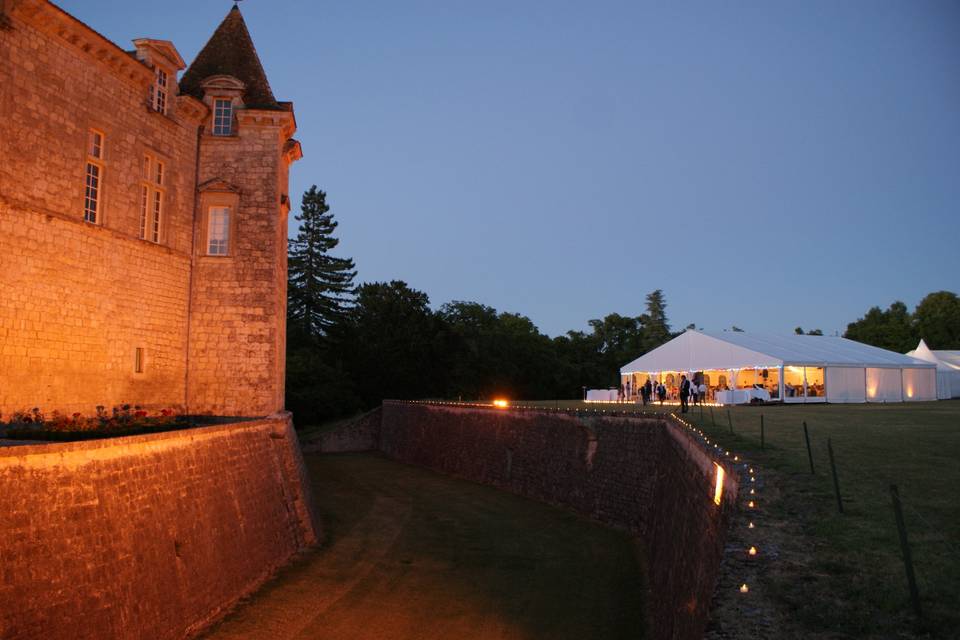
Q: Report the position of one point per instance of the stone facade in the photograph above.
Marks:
(114, 310)
(151, 536)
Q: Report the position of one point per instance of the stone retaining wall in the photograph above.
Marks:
(151, 536)
(361, 433)
(645, 475)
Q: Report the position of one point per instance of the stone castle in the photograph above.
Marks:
(143, 221)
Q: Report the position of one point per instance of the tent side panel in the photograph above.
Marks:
(954, 377)
(944, 391)
(919, 384)
(846, 384)
(883, 385)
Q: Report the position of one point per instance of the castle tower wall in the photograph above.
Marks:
(238, 307)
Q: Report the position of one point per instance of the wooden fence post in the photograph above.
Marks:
(806, 436)
(833, 469)
(905, 547)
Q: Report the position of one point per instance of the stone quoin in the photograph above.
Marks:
(143, 222)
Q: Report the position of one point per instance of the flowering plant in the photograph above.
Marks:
(120, 418)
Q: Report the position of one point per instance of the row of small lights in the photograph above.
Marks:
(752, 495)
(716, 450)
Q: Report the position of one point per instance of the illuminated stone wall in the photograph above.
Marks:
(239, 301)
(78, 299)
(148, 536)
(643, 475)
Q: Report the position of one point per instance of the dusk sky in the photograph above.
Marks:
(766, 164)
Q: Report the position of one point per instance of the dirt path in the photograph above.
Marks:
(412, 555)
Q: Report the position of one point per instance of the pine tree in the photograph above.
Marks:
(655, 326)
(319, 286)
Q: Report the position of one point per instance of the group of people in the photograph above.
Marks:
(651, 391)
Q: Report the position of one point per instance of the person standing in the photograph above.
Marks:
(684, 393)
(661, 392)
(645, 391)
(703, 391)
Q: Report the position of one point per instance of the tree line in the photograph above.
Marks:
(936, 319)
(350, 346)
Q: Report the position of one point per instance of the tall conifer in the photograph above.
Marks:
(320, 286)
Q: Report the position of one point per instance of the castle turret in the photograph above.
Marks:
(237, 327)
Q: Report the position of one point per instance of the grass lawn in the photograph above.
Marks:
(411, 554)
(854, 583)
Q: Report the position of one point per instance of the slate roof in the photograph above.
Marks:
(230, 51)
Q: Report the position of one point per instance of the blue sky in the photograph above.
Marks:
(767, 164)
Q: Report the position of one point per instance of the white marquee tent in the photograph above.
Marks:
(948, 369)
(736, 366)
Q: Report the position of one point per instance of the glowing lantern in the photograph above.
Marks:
(751, 505)
(744, 588)
(752, 551)
(718, 488)
(750, 526)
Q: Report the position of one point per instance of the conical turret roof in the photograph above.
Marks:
(230, 51)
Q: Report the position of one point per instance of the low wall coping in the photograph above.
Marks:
(106, 448)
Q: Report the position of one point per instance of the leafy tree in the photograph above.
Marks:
(892, 329)
(617, 339)
(815, 332)
(319, 286)
(388, 343)
(937, 320)
(490, 353)
(580, 364)
(798, 331)
(736, 329)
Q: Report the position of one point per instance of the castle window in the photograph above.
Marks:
(222, 117)
(218, 231)
(138, 360)
(160, 92)
(151, 199)
(93, 177)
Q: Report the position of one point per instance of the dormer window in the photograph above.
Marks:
(222, 117)
(160, 92)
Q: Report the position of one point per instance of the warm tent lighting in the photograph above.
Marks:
(744, 588)
(501, 403)
(718, 489)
